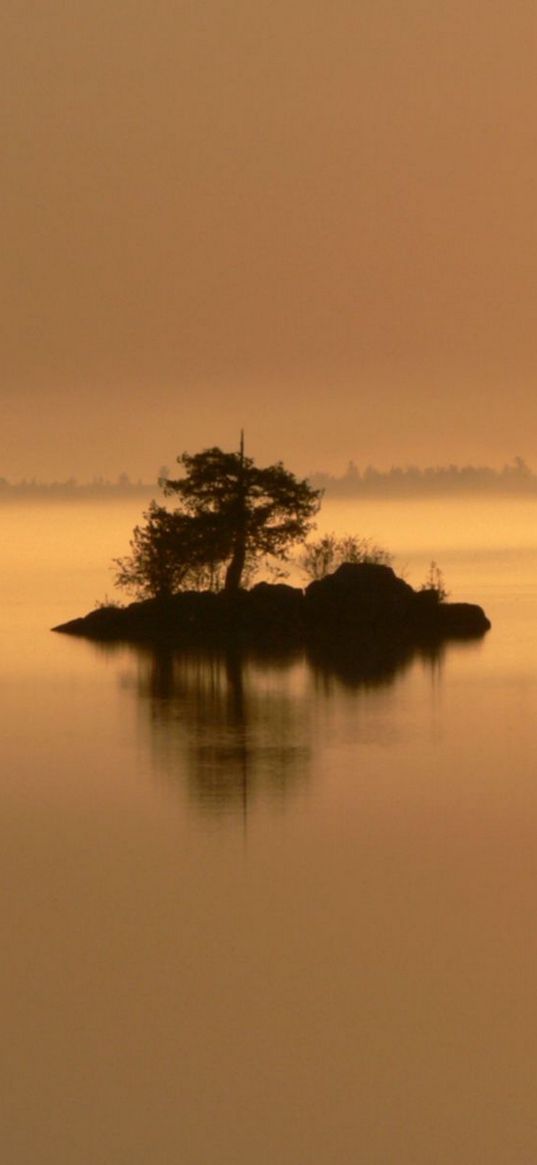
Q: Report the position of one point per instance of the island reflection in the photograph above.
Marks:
(239, 726)
(235, 730)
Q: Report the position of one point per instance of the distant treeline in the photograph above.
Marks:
(399, 481)
(409, 481)
(100, 487)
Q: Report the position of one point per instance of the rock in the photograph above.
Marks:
(275, 609)
(462, 620)
(359, 599)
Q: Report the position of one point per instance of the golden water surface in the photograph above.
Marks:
(257, 914)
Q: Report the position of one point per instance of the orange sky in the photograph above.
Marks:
(316, 219)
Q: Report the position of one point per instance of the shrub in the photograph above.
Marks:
(434, 584)
(323, 556)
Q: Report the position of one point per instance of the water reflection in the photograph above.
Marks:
(379, 664)
(236, 726)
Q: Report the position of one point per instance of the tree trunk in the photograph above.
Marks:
(236, 565)
(238, 558)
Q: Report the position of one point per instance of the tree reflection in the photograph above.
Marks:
(238, 726)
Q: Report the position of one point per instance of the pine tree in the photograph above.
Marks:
(231, 513)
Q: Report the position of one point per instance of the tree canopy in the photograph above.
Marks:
(230, 514)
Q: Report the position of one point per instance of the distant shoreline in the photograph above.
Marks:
(59, 491)
(399, 482)
(515, 479)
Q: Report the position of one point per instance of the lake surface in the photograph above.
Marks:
(259, 914)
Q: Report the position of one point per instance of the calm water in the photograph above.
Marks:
(262, 915)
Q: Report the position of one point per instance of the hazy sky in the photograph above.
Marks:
(315, 218)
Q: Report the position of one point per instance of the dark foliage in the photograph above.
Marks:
(231, 514)
(169, 552)
(324, 555)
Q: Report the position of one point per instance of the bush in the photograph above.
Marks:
(434, 585)
(323, 556)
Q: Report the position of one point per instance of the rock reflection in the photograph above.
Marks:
(378, 664)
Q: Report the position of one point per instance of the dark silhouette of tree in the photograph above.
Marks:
(231, 514)
(167, 553)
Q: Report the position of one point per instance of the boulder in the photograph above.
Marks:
(365, 596)
(461, 620)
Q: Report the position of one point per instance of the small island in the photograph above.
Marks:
(356, 605)
(189, 565)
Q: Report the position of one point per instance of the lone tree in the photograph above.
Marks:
(231, 513)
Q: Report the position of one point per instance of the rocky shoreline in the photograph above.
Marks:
(359, 607)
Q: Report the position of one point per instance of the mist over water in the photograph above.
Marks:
(258, 911)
